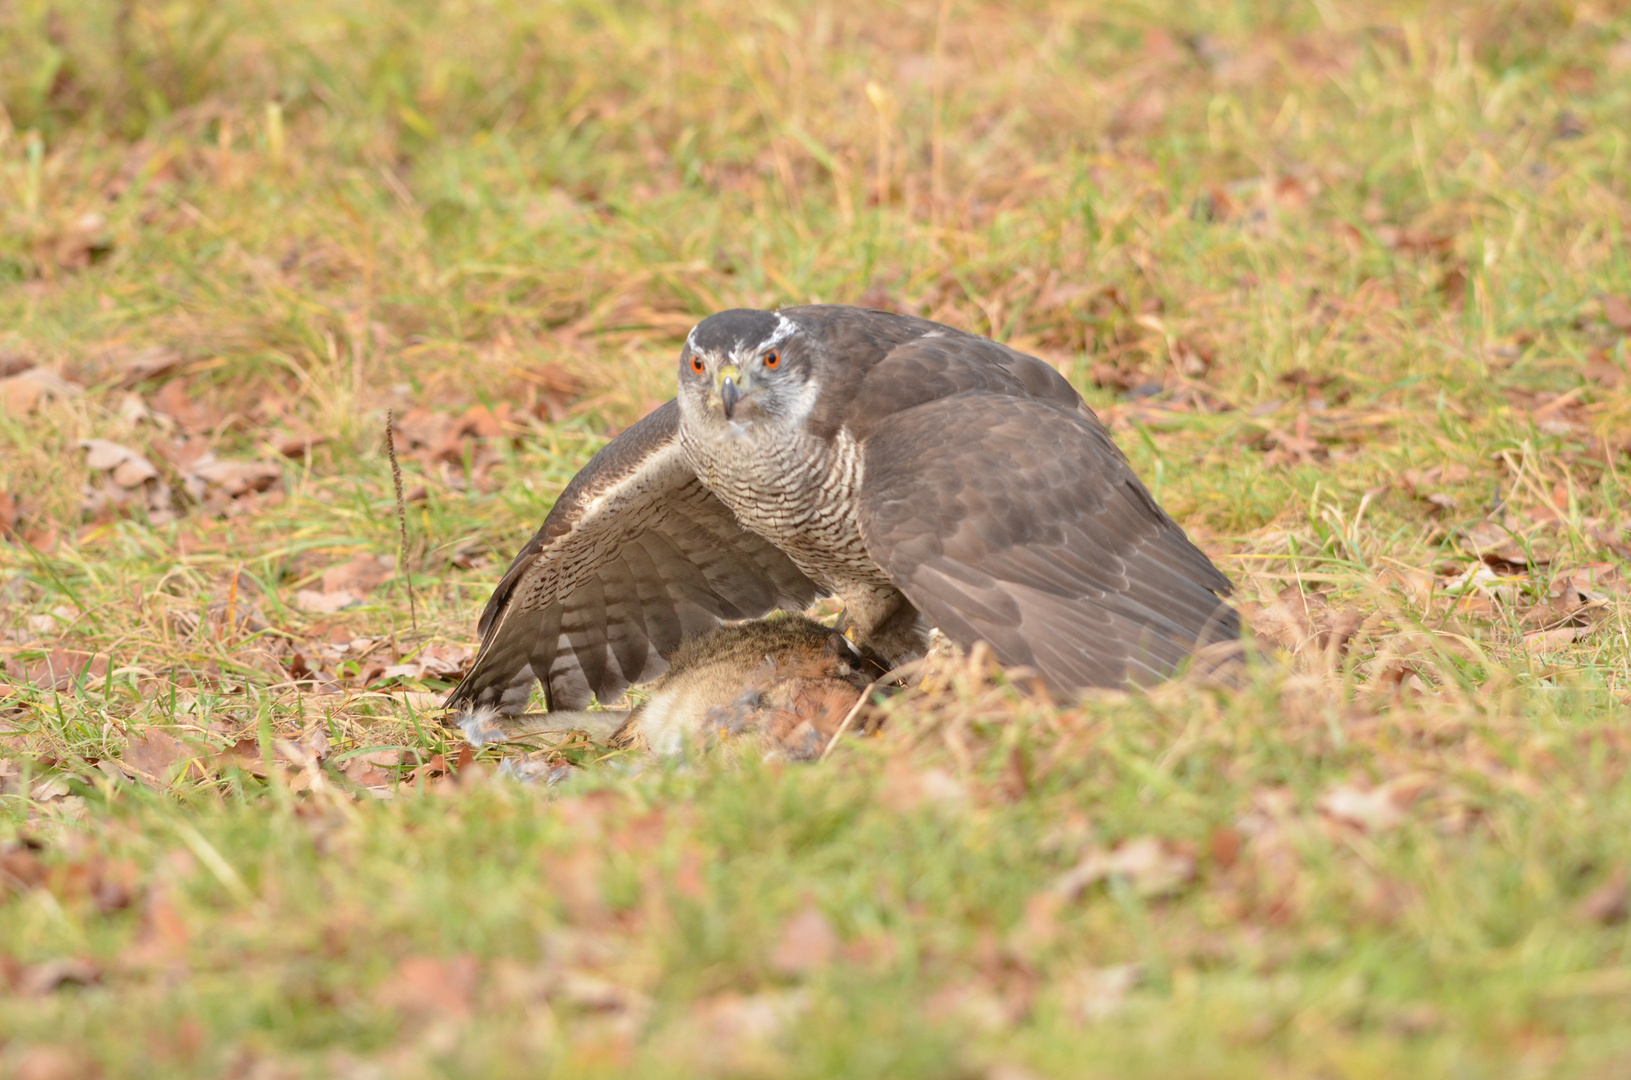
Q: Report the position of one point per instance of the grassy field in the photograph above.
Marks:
(1350, 281)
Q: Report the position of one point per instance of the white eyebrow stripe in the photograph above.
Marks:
(785, 328)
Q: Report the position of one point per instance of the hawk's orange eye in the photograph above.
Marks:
(696, 364)
(773, 360)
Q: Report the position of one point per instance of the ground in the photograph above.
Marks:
(1349, 281)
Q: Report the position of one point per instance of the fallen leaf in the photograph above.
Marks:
(1008, 1070)
(480, 421)
(1287, 621)
(906, 788)
(574, 880)
(297, 445)
(1144, 862)
(234, 478)
(1490, 539)
(1417, 1019)
(424, 986)
(1415, 241)
(152, 754)
(20, 393)
(1607, 904)
(366, 773)
(1373, 809)
(133, 410)
(13, 363)
(1015, 782)
(435, 661)
(110, 884)
(1297, 447)
(177, 403)
(61, 668)
(807, 943)
(306, 755)
(1618, 544)
(1417, 480)
(129, 468)
(1297, 620)
(1480, 584)
(1224, 846)
(20, 867)
(43, 978)
(325, 603)
(133, 472)
(153, 362)
(1550, 641)
(78, 245)
(361, 575)
(1617, 310)
(975, 1004)
(1096, 994)
(439, 436)
(346, 584)
(1453, 287)
(244, 754)
(162, 936)
(49, 787)
(1416, 584)
(55, 1063)
(1340, 628)
(587, 990)
(1600, 369)
(738, 1034)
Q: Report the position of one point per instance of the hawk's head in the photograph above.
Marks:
(743, 371)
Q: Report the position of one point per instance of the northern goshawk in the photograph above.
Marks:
(925, 476)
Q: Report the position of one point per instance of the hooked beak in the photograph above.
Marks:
(729, 390)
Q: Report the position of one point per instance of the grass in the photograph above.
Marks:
(1349, 281)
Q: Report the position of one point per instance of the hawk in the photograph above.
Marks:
(925, 476)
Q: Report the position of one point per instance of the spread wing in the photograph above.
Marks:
(635, 556)
(1015, 520)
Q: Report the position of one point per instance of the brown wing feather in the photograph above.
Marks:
(635, 556)
(1014, 520)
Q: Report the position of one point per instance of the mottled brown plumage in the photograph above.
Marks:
(923, 475)
(636, 557)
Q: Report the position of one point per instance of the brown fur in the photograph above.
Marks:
(787, 679)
